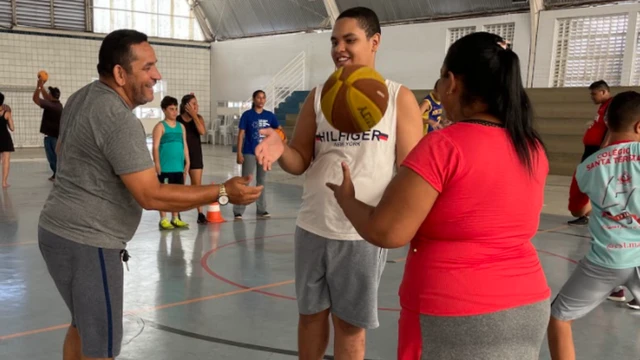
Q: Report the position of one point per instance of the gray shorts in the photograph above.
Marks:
(339, 275)
(90, 281)
(589, 286)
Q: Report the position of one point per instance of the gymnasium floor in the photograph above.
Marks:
(226, 291)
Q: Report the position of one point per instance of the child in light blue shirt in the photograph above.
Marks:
(607, 186)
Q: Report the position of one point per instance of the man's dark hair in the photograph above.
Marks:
(55, 92)
(168, 101)
(599, 85)
(624, 111)
(116, 50)
(367, 19)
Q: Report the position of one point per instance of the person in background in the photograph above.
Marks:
(607, 181)
(50, 124)
(595, 136)
(437, 204)
(6, 142)
(194, 124)
(249, 137)
(170, 155)
(431, 109)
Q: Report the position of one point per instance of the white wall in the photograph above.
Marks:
(71, 59)
(544, 57)
(410, 54)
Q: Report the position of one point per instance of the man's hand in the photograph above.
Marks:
(239, 191)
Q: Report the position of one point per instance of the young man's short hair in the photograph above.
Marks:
(624, 111)
(367, 19)
(599, 85)
(168, 101)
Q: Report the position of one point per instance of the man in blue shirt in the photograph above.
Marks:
(248, 138)
(606, 185)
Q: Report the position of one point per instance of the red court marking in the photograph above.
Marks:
(205, 266)
(557, 255)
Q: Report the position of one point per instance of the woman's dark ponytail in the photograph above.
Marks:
(514, 108)
(490, 74)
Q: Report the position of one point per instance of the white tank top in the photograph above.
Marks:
(371, 156)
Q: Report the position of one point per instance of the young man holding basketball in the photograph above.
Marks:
(337, 272)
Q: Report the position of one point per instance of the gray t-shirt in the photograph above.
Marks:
(100, 139)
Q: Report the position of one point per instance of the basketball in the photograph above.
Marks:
(354, 99)
(42, 75)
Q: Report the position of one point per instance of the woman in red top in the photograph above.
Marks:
(468, 198)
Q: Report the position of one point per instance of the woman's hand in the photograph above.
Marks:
(344, 191)
(192, 111)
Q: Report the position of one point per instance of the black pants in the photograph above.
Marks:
(589, 150)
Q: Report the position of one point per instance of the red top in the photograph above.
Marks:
(473, 253)
(594, 136)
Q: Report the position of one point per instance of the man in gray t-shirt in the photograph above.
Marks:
(105, 178)
(101, 140)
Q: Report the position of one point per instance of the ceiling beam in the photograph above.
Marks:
(535, 7)
(201, 18)
(332, 10)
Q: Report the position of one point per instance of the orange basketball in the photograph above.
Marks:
(42, 75)
(354, 98)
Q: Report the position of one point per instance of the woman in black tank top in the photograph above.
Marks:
(6, 143)
(194, 124)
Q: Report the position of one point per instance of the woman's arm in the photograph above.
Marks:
(187, 160)
(199, 121)
(405, 204)
(9, 118)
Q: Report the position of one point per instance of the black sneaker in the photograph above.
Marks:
(202, 219)
(237, 216)
(264, 215)
(583, 220)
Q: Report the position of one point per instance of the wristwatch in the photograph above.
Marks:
(223, 198)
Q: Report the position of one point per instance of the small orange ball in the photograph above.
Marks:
(43, 75)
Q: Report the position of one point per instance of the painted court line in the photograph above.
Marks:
(212, 339)
(151, 308)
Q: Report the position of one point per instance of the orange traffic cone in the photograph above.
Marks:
(213, 213)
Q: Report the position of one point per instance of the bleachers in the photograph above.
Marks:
(561, 116)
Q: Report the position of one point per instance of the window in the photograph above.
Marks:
(590, 49)
(505, 31)
(457, 33)
(66, 14)
(635, 80)
(157, 18)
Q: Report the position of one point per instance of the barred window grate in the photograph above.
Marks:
(590, 49)
(505, 31)
(635, 78)
(457, 33)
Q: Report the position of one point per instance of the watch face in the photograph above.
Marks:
(223, 200)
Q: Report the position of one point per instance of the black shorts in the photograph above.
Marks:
(176, 178)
